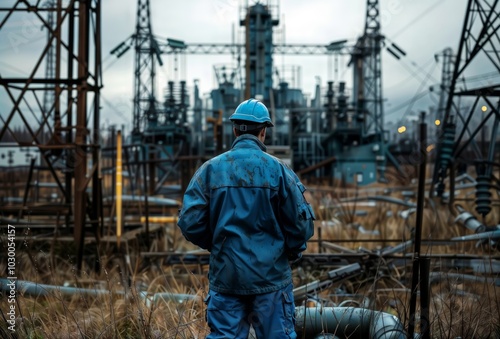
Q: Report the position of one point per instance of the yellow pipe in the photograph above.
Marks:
(158, 219)
(118, 187)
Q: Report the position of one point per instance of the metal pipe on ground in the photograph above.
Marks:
(29, 288)
(347, 322)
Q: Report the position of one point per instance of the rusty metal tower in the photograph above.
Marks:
(69, 148)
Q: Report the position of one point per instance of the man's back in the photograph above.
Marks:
(254, 201)
(247, 187)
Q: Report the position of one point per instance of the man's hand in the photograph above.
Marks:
(294, 257)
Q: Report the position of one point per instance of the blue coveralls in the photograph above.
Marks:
(247, 208)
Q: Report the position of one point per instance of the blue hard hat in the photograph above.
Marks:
(252, 110)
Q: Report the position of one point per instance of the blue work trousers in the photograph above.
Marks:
(272, 315)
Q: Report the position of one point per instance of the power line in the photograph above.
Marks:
(432, 7)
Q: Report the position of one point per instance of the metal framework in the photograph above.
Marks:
(146, 51)
(367, 73)
(469, 135)
(160, 128)
(235, 49)
(67, 132)
(446, 77)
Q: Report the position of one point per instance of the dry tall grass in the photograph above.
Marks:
(460, 306)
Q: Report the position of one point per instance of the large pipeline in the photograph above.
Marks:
(346, 322)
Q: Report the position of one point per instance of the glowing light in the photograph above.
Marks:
(437, 122)
(484, 108)
(430, 148)
(402, 129)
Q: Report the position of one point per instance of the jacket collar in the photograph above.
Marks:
(248, 139)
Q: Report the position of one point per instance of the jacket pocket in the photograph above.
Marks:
(289, 312)
(306, 212)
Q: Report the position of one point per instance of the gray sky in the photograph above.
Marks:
(422, 28)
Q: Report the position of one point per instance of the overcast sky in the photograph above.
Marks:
(421, 28)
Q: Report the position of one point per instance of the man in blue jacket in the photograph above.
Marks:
(247, 208)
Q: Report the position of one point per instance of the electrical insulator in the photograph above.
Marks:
(483, 194)
(447, 146)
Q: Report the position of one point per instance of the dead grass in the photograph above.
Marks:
(459, 307)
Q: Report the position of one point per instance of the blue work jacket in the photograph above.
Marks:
(247, 208)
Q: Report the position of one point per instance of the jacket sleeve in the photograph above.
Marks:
(194, 215)
(297, 216)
